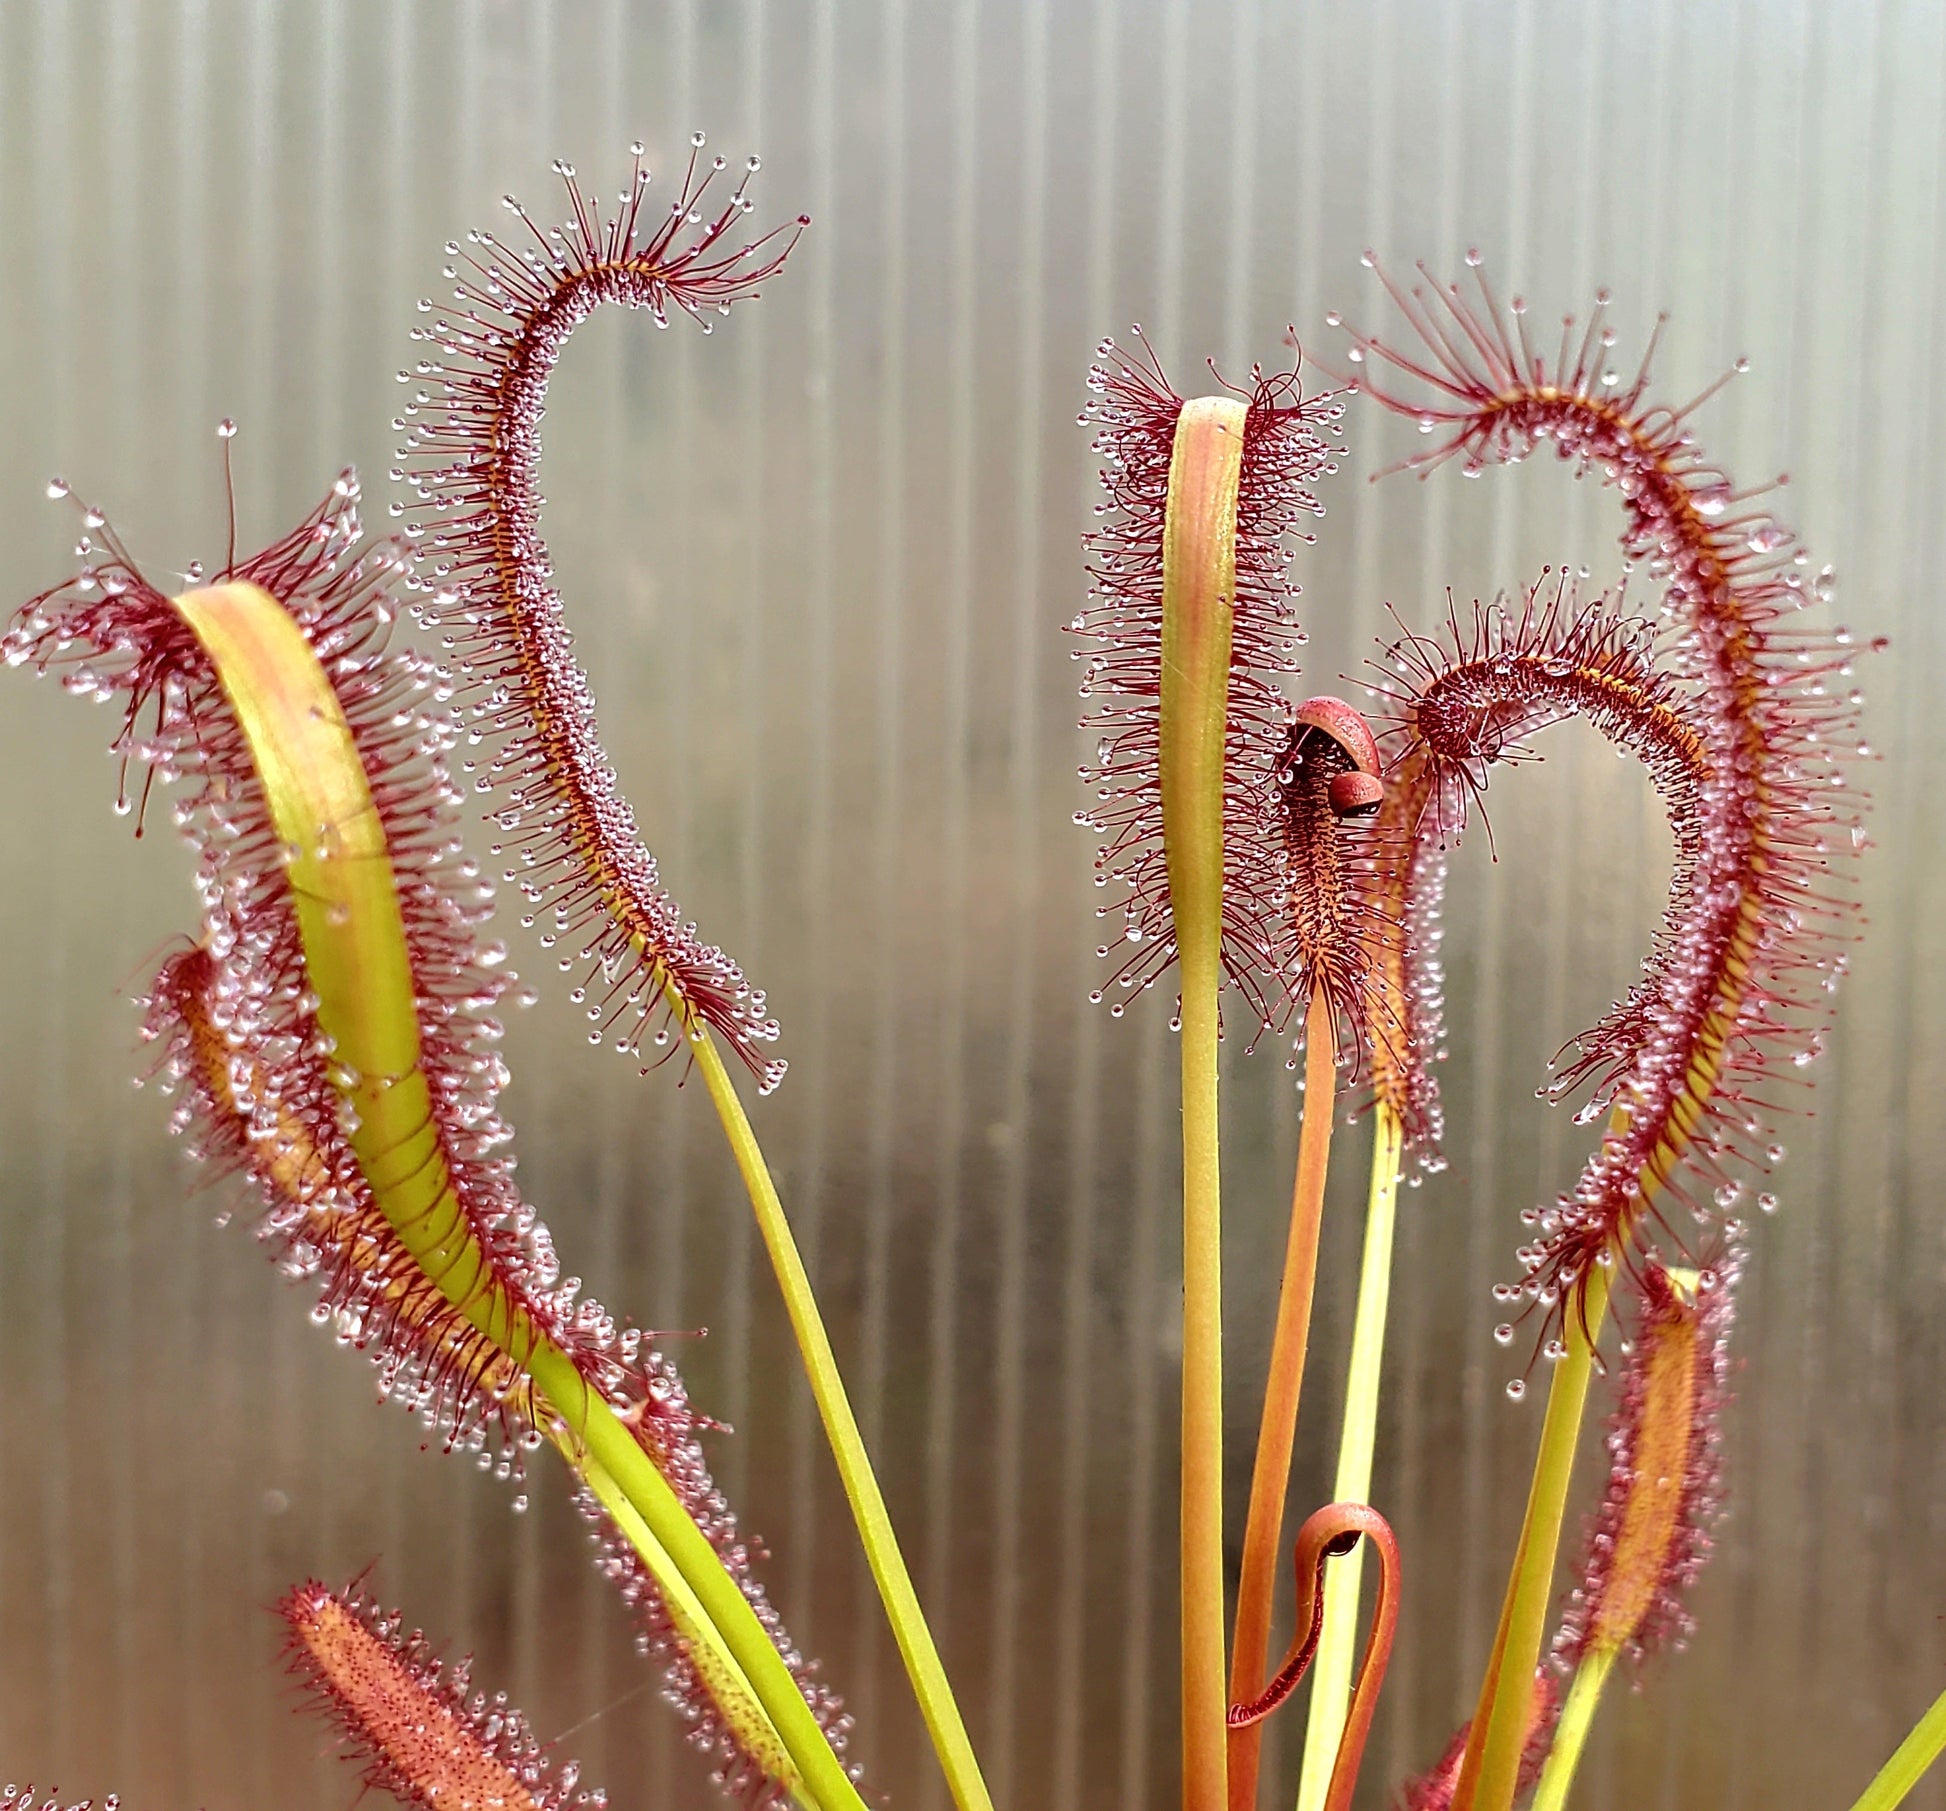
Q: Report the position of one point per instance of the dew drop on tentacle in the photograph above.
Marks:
(424, 1734)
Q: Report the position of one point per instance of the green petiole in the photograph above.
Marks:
(1909, 1761)
(1492, 1765)
(1571, 1732)
(1331, 1670)
(1198, 599)
(916, 1647)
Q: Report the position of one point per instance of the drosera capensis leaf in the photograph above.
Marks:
(1326, 950)
(472, 457)
(1190, 621)
(1289, 441)
(1742, 980)
(752, 1759)
(1651, 1534)
(340, 695)
(251, 1115)
(424, 1734)
(1433, 1789)
(348, 917)
(1744, 976)
(1465, 704)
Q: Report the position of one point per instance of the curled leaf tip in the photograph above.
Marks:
(1331, 935)
(334, 1034)
(1743, 973)
(1328, 1533)
(472, 457)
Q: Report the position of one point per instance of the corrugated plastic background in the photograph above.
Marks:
(819, 563)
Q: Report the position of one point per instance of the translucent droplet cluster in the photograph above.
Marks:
(1289, 440)
(21, 1798)
(1470, 700)
(736, 1766)
(471, 455)
(1402, 878)
(236, 1017)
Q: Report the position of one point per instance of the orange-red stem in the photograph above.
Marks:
(1277, 1432)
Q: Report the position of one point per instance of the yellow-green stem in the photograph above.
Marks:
(1205, 1698)
(916, 1646)
(1277, 1426)
(1331, 1670)
(358, 964)
(1198, 595)
(708, 1655)
(1909, 1761)
(1571, 1732)
(1492, 1765)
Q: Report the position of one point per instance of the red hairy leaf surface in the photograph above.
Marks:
(1742, 975)
(1650, 1536)
(1331, 931)
(424, 1734)
(472, 456)
(240, 1038)
(1433, 1791)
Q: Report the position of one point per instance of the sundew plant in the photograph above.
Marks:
(1272, 863)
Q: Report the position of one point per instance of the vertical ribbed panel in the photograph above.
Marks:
(819, 562)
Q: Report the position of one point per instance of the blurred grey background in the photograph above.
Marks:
(818, 564)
